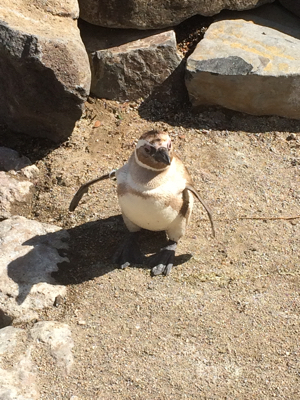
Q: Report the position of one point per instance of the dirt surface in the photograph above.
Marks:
(225, 323)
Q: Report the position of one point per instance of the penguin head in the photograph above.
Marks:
(154, 150)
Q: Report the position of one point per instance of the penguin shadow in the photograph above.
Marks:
(87, 250)
(66, 257)
(36, 265)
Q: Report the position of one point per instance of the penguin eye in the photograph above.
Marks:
(147, 149)
(169, 145)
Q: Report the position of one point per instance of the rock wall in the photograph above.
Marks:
(47, 72)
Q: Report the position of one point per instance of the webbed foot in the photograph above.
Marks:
(129, 252)
(163, 261)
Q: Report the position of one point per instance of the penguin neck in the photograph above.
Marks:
(145, 175)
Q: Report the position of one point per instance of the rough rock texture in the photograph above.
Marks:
(28, 256)
(58, 337)
(143, 14)
(249, 64)
(12, 190)
(292, 5)
(45, 76)
(22, 353)
(127, 65)
(15, 190)
(66, 8)
(17, 377)
(9, 339)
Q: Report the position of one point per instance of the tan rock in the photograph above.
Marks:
(12, 191)
(66, 8)
(58, 336)
(249, 64)
(17, 371)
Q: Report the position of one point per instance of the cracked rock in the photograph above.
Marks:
(249, 63)
(126, 64)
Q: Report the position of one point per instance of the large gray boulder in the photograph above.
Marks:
(45, 75)
(129, 64)
(249, 64)
(145, 14)
(29, 253)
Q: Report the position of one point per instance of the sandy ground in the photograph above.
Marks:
(226, 323)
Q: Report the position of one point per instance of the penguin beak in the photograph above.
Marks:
(162, 155)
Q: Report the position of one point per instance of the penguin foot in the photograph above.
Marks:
(129, 252)
(163, 261)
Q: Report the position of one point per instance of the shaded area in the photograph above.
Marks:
(98, 38)
(36, 265)
(93, 244)
(32, 147)
(5, 320)
(91, 247)
(178, 112)
(190, 32)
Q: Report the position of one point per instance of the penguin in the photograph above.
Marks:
(155, 192)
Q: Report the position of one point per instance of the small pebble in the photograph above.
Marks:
(292, 136)
(97, 124)
(58, 301)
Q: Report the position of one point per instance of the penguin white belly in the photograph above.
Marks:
(148, 213)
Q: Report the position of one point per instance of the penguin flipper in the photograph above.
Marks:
(85, 188)
(197, 195)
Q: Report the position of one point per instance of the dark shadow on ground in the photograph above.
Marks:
(170, 103)
(90, 249)
(34, 148)
(97, 38)
(177, 112)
